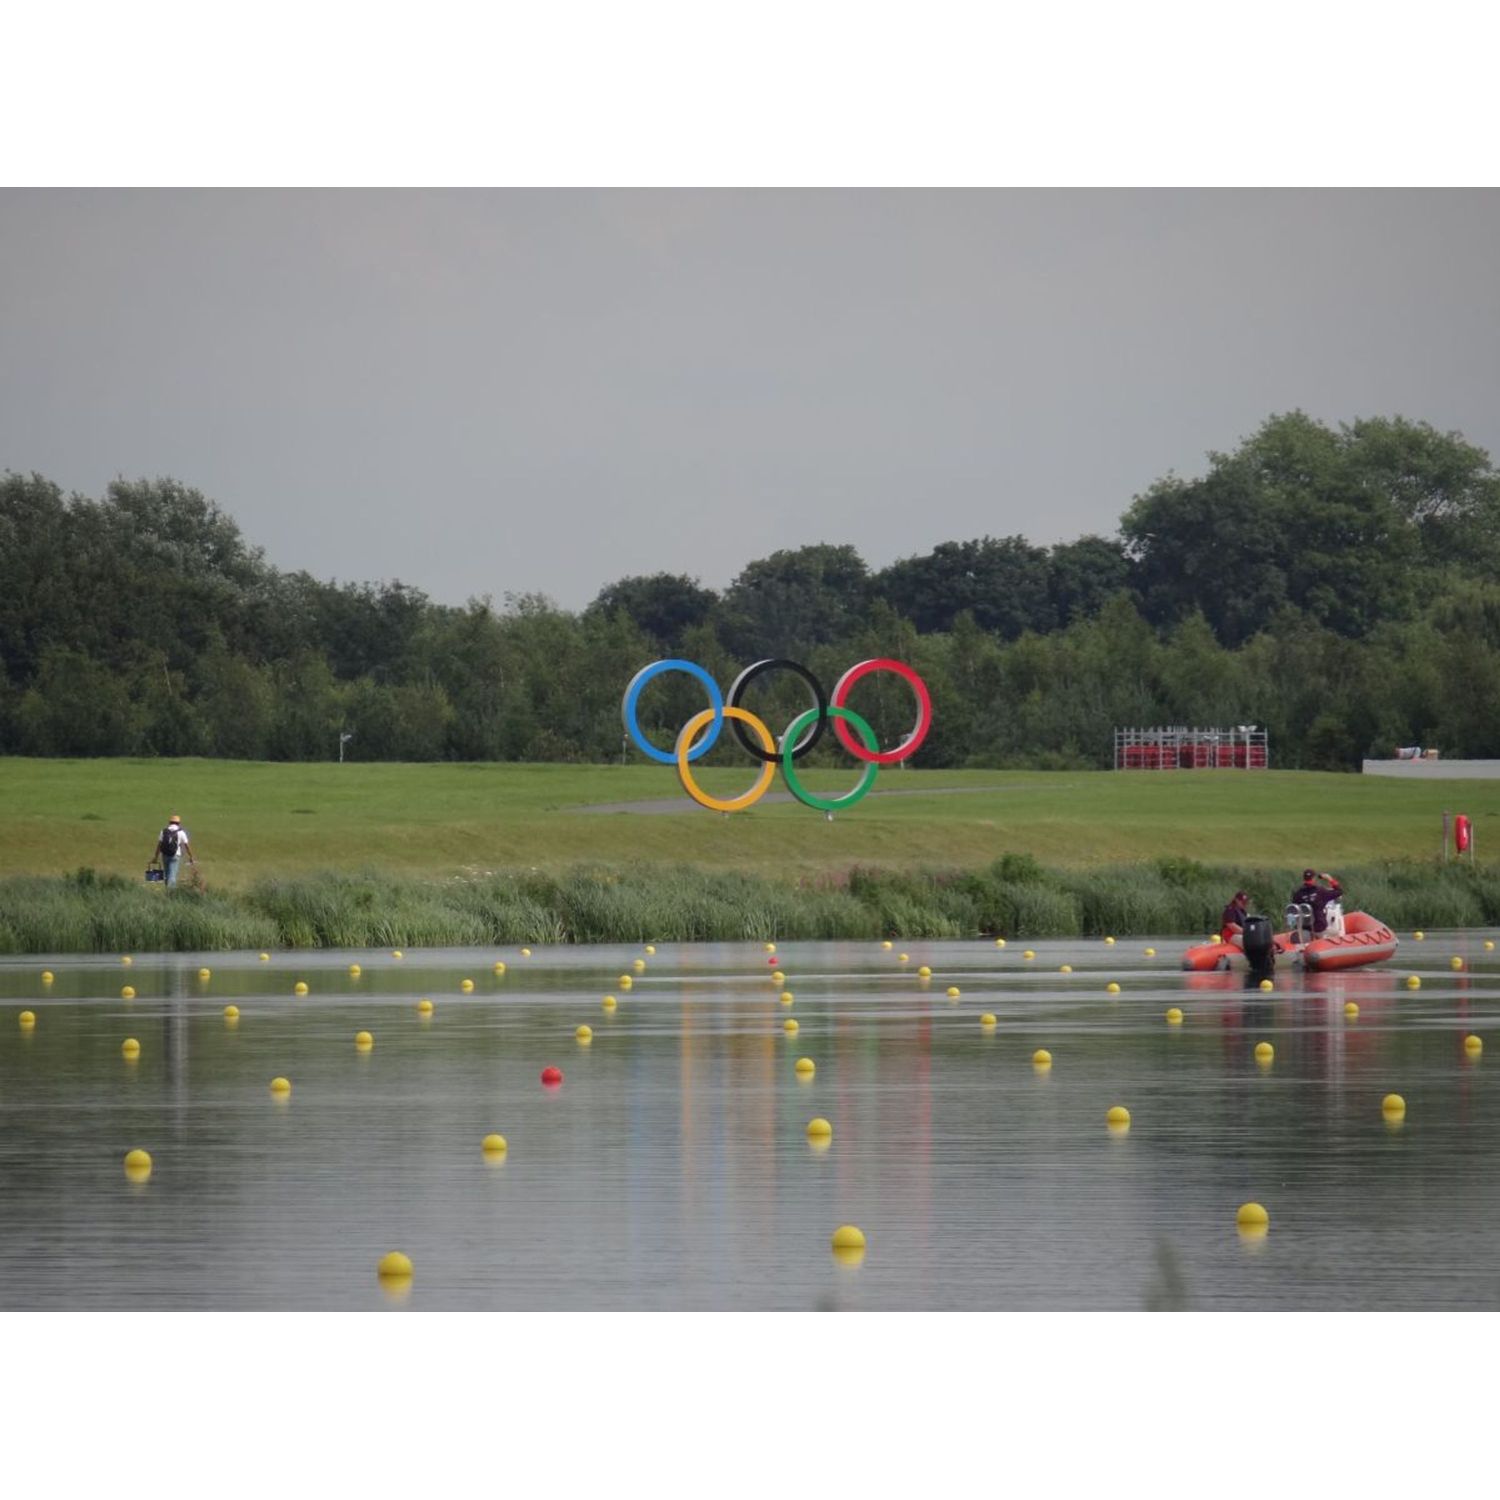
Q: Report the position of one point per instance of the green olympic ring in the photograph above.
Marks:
(789, 770)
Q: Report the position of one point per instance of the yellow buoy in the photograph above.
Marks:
(1264, 1052)
(1393, 1104)
(363, 1040)
(1351, 1010)
(138, 1164)
(1041, 1058)
(787, 997)
(1489, 945)
(128, 993)
(954, 992)
(988, 1021)
(1118, 1115)
(126, 959)
(924, 972)
(819, 1129)
(770, 947)
(499, 966)
(650, 950)
(999, 942)
(777, 977)
(1455, 962)
(130, 1047)
(355, 971)
(231, 1012)
(494, 1145)
(1150, 952)
(626, 982)
(1029, 953)
(1473, 1045)
(887, 944)
(467, 986)
(1412, 982)
(27, 1018)
(424, 1007)
(805, 1067)
(48, 976)
(1174, 1016)
(1418, 937)
(639, 965)
(1110, 941)
(397, 953)
(525, 952)
(584, 1033)
(847, 1237)
(1267, 984)
(1065, 968)
(903, 958)
(300, 988)
(1252, 1216)
(205, 973)
(281, 1086)
(1112, 988)
(394, 1266)
(608, 1002)
(789, 1026)
(265, 958)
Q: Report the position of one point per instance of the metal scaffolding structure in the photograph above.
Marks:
(1175, 747)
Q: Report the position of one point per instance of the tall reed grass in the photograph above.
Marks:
(1015, 897)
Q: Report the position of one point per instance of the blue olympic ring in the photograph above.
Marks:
(632, 698)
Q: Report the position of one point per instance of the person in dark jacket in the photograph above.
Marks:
(1304, 893)
(1232, 923)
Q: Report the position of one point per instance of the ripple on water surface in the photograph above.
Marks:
(672, 1166)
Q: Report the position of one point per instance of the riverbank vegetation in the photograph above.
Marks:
(1015, 897)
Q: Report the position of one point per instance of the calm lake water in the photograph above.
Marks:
(672, 1167)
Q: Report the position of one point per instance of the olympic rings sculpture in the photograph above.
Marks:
(698, 736)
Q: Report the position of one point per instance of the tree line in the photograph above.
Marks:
(1338, 585)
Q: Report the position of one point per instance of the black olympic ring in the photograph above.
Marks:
(820, 699)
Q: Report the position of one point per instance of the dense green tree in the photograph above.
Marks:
(784, 604)
(662, 606)
(1340, 587)
(1004, 583)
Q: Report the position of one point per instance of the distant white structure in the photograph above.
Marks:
(1431, 769)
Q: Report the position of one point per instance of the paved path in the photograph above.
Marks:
(682, 803)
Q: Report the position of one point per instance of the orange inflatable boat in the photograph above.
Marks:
(1365, 940)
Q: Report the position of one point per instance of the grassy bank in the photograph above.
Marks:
(251, 821)
(1014, 896)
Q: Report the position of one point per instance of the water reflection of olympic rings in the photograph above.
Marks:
(699, 735)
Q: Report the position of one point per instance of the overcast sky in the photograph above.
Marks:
(491, 391)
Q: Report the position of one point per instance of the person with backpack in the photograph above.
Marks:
(171, 846)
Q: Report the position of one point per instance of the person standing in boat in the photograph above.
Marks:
(1232, 923)
(1304, 893)
(1328, 908)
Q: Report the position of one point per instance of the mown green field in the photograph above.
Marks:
(250, 820)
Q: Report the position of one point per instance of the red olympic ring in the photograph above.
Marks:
(908, 746)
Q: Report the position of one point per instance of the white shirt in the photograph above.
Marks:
(182, 839)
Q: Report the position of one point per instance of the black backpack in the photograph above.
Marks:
(171, 843)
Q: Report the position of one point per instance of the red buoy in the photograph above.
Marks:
(773, 960)
(551, 1077)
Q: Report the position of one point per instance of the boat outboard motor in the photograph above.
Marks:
(1260, 949)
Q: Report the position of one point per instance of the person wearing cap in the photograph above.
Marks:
(171, 844)
(1304, 893)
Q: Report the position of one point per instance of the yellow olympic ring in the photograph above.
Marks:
(684, 748)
